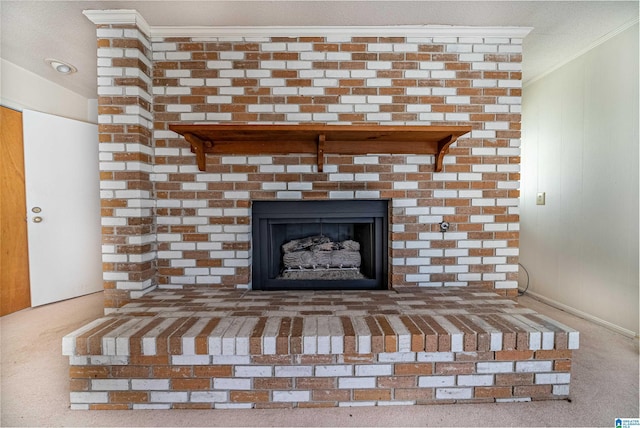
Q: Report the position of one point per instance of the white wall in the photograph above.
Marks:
(580, 146)
(21, 89)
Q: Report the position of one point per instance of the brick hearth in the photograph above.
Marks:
(205, 348)
(184, 327)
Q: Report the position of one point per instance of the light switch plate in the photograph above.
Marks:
(540, 198)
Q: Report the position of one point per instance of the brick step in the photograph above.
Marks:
(229, 348)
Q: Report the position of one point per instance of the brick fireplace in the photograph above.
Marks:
(167, 224)
(184, 327)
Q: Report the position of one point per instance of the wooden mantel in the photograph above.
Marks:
(246, 139)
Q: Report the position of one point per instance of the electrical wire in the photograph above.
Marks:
(521, 293)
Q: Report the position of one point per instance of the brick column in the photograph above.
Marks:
(126, 160)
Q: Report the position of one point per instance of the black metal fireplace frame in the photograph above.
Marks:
(268, 213)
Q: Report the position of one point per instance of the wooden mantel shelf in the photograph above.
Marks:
(246, 139)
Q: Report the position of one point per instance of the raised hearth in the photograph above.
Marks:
(206, 348)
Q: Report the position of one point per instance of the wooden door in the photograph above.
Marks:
(14, 256)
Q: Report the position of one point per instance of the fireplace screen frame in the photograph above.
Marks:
(266, 214)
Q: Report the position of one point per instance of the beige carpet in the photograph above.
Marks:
(34, 385)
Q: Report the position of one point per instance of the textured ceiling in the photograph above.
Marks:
(34, 30)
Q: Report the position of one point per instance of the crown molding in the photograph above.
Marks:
(361, 31)
(130, 16)
(118, 16)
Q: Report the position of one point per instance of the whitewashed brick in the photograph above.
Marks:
(273, 47)
(299, 117)
(89, 397)
(443, 74)
(471, 57)
(110, 384)
(353, 99)
(574, 340)
(209, 396)
(380, 47)
(552, 378)
(416, 74)
(289, 195)
(168, 397)
(561, 389)
(231, 383)
(367, 177)
(219, 99)
(379, 99)
(219, 64)
(150, 384)
(364, 108)
(374, 370)
(299, 65)
(356, 382)
(260, 108)
(379, 65)
(509, 83)
(436, 381)
(274, 186)
(219, 116)
(356, 403)
(507, 48)
(74, 406)
(405, 47)
(454, 393)
(272, 82)
(227, 55)
(510, 100)
(459, 47)
(458, 100)
(510, 66)
(253, 371)
(418, 277)
(475, 380)
(513, 400)
(233, 406)
(396, 357)
(293, 371)
(333, 370)
(341, 177)
(367, 194)
(405, 185)
(218, 82)
(291, 396)
(533, 366)
(378, 82)
(461, 117)
(419, 91)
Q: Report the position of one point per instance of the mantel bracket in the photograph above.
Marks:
(443, 149)
(321, 141)
(199, 146)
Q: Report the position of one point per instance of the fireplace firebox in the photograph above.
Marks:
(320, 245)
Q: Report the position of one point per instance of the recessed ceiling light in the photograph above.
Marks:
(61, 66)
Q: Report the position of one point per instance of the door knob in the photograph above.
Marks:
(37, 219)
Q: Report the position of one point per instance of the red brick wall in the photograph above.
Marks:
(201, 219)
